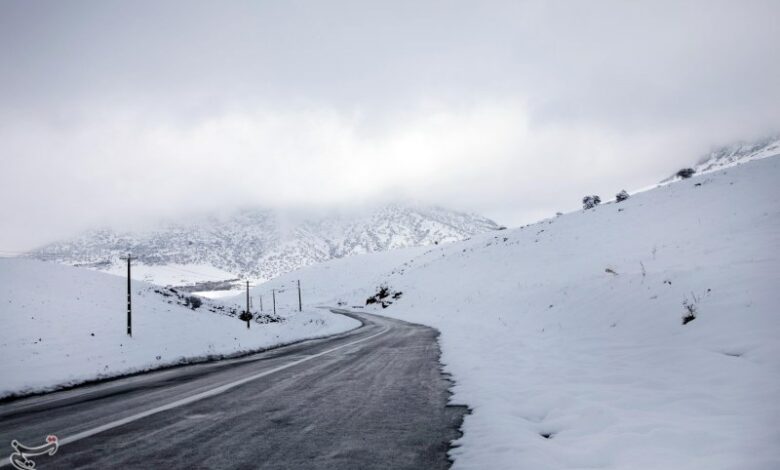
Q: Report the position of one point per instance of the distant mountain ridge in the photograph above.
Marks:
(262, 244)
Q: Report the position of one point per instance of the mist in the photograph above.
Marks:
(122, 113)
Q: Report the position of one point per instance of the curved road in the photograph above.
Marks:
(367, 399)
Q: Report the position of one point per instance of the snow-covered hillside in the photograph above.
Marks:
(261, 244)
(735, 154)
(348, 277)
(567, 337)
(65, 325)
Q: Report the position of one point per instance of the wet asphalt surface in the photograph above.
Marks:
(378, 401)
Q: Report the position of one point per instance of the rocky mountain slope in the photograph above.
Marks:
(261, 244)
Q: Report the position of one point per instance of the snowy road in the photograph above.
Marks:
(370, 398)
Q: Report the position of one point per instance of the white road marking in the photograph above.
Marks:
(197, 397)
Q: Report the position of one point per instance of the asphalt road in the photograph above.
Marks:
(367, 399)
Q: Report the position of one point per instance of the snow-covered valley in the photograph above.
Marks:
(635, 335)
(64, 326)
(426, 235)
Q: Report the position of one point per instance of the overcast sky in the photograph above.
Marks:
(119, 112)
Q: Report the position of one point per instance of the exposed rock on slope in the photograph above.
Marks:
(263, 244)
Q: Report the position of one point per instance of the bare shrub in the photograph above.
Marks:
(589, 202)
(686, 173)
(691, 309)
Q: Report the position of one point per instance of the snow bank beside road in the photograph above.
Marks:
(566, 338)
(567, 365)
(63, 326)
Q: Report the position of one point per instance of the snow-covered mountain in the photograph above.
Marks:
(261, 244)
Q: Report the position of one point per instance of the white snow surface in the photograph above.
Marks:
(171, 274)
(739, 153)
(735, 154)
(542, 340)
(63, 326)
(347, 277)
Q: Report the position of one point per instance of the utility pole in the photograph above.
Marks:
(247, 305)
(129, 301)
(273, 294)
(261, 303)
(300, 305)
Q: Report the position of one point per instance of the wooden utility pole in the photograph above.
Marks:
(129, 258)
(247, 305)
(273, 294)
(300, 304)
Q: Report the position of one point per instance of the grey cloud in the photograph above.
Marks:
(128, 110)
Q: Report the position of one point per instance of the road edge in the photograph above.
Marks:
(184, 362)
(463, 408)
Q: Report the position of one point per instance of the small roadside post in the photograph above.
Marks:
(248, 318)
(129, 258)
(300, 304)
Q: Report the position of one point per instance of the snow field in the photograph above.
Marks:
(63, 326)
